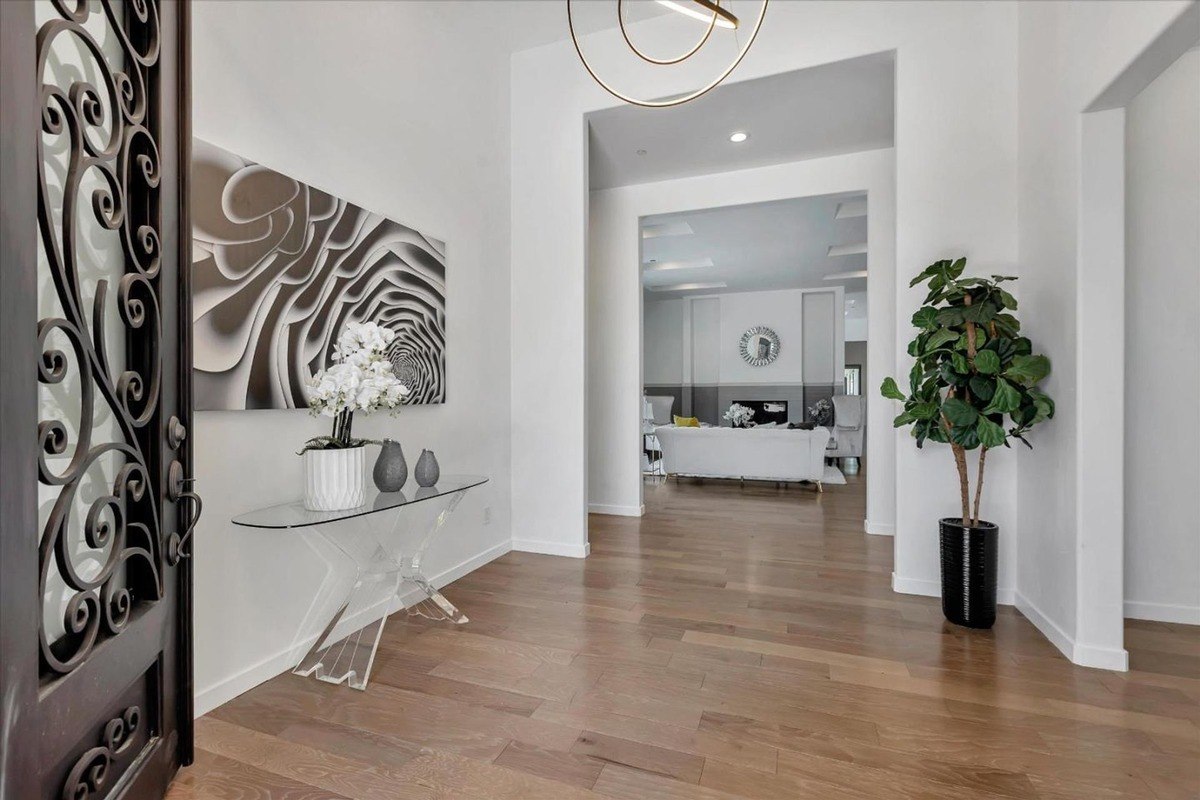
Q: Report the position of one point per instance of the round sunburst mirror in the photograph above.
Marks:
(759, 346)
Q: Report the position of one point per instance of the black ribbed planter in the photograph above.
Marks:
(970, 560)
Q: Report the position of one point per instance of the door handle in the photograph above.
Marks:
(176, 492)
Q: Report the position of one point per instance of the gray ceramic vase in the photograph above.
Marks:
(391, 470)
(427, 471)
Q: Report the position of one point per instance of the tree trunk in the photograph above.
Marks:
(970, 333)
(964, 489)
(979, 481)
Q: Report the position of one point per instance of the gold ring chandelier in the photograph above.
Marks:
(708, 11)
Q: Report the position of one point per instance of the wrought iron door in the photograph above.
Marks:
(96, 510)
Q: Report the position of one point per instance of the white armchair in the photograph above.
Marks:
(849, 424)
(662, 406)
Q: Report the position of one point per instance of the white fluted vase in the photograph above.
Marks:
(334, 479)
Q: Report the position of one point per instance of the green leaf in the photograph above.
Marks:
(1022, 346)
(931, 270)
(949, 376)
(967, 437)
(957, 268)
(1027, 370)
(982, 387)
(1003, 347)
(926, 317)
(1003, 278)
(960, 363)
(890, 390)
(987, 362)
(990, 434)
(979, 313)
(1008, 300)
(1043, 404)
(914, 377)
(960, 413)
(1018, 433)
(950, 316)
(903, 419)
(1005, 400)
(939, 338)
(924, 410)
(1007, 324)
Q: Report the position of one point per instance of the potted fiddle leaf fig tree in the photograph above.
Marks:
(974, 386)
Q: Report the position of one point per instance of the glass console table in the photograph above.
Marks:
(385, 538)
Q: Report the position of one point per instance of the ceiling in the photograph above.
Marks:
(522, 24)
(777, 245)
(844, 107)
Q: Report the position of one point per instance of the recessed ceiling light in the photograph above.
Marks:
(737, 137)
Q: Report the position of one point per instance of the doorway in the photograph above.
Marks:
(743, 323)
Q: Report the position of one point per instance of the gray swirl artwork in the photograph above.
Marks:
(278, 268)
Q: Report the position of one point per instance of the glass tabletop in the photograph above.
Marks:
(295, 515)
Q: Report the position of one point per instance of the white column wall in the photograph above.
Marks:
(1068, 54)
(1162, 370)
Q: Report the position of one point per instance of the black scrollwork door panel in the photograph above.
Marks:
(100, 692)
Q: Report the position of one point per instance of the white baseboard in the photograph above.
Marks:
(228, 688)
(879, 528)
(1057, 636)
(552, 548)
(1081, 654)
(924, 588)
(1110, 658)
(1163, 612)
(617, 511)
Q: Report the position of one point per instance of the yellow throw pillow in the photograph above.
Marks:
(686, 422)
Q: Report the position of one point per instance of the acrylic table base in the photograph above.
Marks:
(386, 550)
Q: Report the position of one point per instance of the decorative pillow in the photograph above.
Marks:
(686, 422)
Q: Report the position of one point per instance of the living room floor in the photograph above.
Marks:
(736, 642)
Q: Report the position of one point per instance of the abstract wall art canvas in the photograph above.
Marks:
(280, 267)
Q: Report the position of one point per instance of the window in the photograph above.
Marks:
(853, 379)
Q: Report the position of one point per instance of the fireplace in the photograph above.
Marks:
(767, 410)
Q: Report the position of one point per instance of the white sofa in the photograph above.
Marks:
(772, 454)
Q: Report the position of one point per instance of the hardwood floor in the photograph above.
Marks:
(736, 642)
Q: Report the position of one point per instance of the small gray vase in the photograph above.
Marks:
(428, 471)
(391, 470)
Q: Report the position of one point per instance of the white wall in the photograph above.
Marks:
(1162, 371)
(402, 111)
(663, 332)
(779, 311)
(955, 164)
(1068, 54)
(662, 337)
(615, 295)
